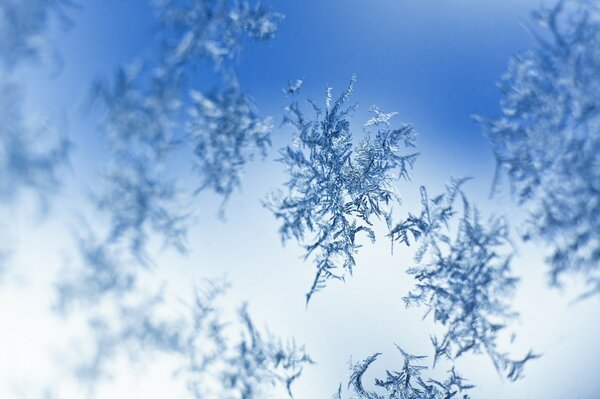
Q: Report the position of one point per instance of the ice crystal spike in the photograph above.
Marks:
(407, 383)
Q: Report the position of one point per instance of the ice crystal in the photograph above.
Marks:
(136, 194)
(226, 133)
(28, 156)
(213, 29)
(149, 111)
(408, 383)
(465, 281)
(222, 358)
(23, 28)
(546, 139)
(336, 188)
(28, 159)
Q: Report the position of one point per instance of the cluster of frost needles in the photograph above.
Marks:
(148, 111)
(339, 183)
(32, 155)
(151, 107)
(28, 156)
(465, 281)
(547, 137)
(407, 383)
(218, 357)
(336, 188)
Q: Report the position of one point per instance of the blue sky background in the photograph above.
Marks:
(435, 63)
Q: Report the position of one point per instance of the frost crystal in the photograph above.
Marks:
(465, 282)
(214, 29)
(408, 383)
(23, 27)
(138, 127)
(547, 138)
(27, 159)
(146, 111)
(221, 358)
(226, 133)
(335, 187)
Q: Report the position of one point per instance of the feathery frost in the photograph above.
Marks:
(23, 28)
(226, 133)
(135, 194)
(150, 110)
(547, 138)
(147, 112)
(228, 359)
(465, 281)
(32, 155)
(408, 383)
(28, 157)
(336, 188)
(213, 29)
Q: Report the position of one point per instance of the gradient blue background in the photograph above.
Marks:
(435, 63)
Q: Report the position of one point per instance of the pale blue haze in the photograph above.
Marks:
(144, 202)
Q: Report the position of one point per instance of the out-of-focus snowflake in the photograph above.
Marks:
(226, 134)
(217, 357)
(213, 29)
(28, 158)
(136, 194)
(23, 28)
(149, 111)
(547, 138)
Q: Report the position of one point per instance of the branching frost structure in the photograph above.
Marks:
(256, 365)
(407, 383)
(465, 281)
(214, 362)
(148, 111)
(226, 133)
(336, 188)
(23, 28)
(28, 158)
(547, 138)
(213, 29)
(31, 156)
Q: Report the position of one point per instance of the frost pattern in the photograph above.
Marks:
(23, 25)
(150, 109)
(32, 155)
(408, 383)
(226, 134)
(147, 111)
(546, 139)
(213, 29)
(212, 360)
(105, 271)
(465, 281)
(28, 158)
(336, 188)
(136, 194)
(254, 366)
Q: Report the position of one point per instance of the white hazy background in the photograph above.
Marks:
(351, 320)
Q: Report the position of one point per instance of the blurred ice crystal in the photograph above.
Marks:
(547, 138)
